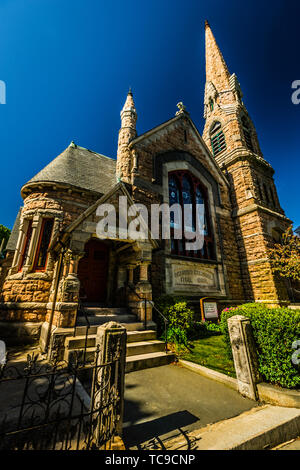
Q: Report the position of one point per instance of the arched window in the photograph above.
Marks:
(211, 104)
(247, 133)
(184, 188)
(217, 139)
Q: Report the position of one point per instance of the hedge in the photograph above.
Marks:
(274, 331)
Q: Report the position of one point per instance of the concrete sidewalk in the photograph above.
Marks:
(163, 402)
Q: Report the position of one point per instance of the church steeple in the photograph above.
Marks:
(228, 125)
(126, 134)
(216, 68)
(231, 136)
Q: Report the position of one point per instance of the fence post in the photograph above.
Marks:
(108, 384)
(244, 355)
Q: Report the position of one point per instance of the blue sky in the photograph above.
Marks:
(68, 64)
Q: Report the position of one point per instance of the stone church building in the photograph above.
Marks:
(54, 260)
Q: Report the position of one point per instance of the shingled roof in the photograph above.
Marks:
(79, 167)
(13, 238)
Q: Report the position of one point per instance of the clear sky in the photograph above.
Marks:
(68, 64)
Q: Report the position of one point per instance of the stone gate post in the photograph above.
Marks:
(244, 355)
(108, 382)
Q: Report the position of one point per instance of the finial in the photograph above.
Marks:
(130, 91)
(72, 144)
(206, 24)
(181, 108)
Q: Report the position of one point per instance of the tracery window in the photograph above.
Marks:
(217, 139)
(184, 188)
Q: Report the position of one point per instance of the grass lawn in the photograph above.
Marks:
(210, 352)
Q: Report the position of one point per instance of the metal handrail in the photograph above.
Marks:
(80, 308)
(158, 311)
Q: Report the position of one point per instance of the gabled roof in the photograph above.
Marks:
(165, 124)
(81, 168)
(61, 238)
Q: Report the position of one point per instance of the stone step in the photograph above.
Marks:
(91, 311)
(135, 336)
(146, 361)
(101, 319)
(294, 306)
(134, 326)
(144, 347)
(79, 341)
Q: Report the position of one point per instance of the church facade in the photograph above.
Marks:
(54, 259)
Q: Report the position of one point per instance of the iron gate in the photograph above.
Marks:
(59, 406)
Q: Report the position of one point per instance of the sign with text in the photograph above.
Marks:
(210, 310)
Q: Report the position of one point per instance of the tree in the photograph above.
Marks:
(4, 233)
(285, 256)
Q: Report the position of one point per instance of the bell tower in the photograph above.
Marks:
(231, 136)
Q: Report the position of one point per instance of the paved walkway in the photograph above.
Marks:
(163, 401)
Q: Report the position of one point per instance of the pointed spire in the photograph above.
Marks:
(129, 104)
(126, 134)
(216, 69)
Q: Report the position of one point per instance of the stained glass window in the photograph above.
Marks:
(185, 189)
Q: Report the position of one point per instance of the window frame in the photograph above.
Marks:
(179, 245)
(37, 252)
(217, 138)
(26, 245)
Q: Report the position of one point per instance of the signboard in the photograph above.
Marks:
(193, 276)
(210, 310)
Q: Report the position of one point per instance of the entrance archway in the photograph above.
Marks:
(93, 272)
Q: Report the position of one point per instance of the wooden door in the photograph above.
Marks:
(92, 272)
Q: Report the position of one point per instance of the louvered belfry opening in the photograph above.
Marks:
(217, 139)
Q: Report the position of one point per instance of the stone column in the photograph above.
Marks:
(108, 381)
(244, 355)
(22, 233)
(36, 226)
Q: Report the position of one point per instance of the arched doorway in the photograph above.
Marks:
(93, 271)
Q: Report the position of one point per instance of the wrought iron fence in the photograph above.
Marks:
(45, 406)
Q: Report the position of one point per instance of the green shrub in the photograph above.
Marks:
(164, 303)
(180, 320)
(274, 331)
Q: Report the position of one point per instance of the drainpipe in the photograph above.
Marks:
(59, 269)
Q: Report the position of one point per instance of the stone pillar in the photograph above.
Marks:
(108, 381)
(244, 355)
(22, 233)
(36, 225)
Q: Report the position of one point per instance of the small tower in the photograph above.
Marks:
(126, 134)
(231, 136)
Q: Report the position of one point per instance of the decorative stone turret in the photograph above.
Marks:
(127, 133)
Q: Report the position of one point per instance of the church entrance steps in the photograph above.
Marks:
(143, 348)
